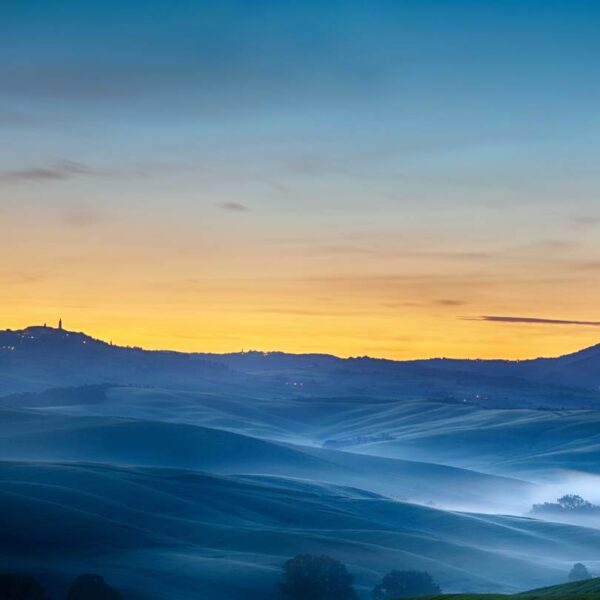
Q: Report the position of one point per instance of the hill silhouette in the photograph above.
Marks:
(37, 358)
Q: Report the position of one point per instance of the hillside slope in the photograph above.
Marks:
(513, 442)
(579, 590)
(166, 533)
(33, 435)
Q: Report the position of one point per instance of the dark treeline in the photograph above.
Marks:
(569, 504)
(325, 578)
(19, 586)
(303, 577)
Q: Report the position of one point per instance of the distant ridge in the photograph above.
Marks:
(47, 332)
(39, 357)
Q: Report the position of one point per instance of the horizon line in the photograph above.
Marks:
(266, 352)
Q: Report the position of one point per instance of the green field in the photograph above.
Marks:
(581, 590)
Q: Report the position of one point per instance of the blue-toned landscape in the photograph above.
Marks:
(299, 300)
(197, 475)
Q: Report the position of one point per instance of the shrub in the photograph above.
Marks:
(316, 577)
(403, 584)
(92, 587)
(579, 572)
(14, 586)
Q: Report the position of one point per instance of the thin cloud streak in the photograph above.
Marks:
(60, 171)
(531, 320)
(81, 217)
(234, 206)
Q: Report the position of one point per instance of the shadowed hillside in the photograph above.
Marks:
(137, 526)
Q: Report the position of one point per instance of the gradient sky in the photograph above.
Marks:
(393, 178)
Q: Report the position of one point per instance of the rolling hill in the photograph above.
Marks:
(514, 442)
(158, 533)
(35, 436)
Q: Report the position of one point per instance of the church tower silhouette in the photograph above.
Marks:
(60, 324)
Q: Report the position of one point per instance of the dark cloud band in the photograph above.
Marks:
(62, 170)
(532, 320)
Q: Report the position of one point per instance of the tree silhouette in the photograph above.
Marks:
(92, 587)
(403, 584)
(316, 577)
(574, 502)
(567, 504)
(14, 586)
(579, 572)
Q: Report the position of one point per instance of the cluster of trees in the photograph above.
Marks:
(304, 576)
(568, 504)
(325, 578)
(17, 586)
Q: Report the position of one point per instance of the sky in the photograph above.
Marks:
(401, 179)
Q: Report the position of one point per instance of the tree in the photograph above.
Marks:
(579, 572)
(571, 504)
(574, 502)
(15, 586)
(316, 577)
(92, 587)
(403, 584)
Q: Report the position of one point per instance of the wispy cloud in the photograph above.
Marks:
(11, 118)
(531, 320)
(19, 278)
(583, 222)
(58, 171)
(234, 206)
(80, 217)
(450, 302)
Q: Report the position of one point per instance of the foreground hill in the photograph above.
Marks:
(38, 358)
(587, 586)
(172, 533)
(580, 590)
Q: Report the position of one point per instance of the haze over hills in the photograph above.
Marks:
(513, 442)
(34, 436)
(167, 472)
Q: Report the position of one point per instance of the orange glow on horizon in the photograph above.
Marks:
(218, 287)
(377, 336)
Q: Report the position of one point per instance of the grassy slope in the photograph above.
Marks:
(580, 590)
